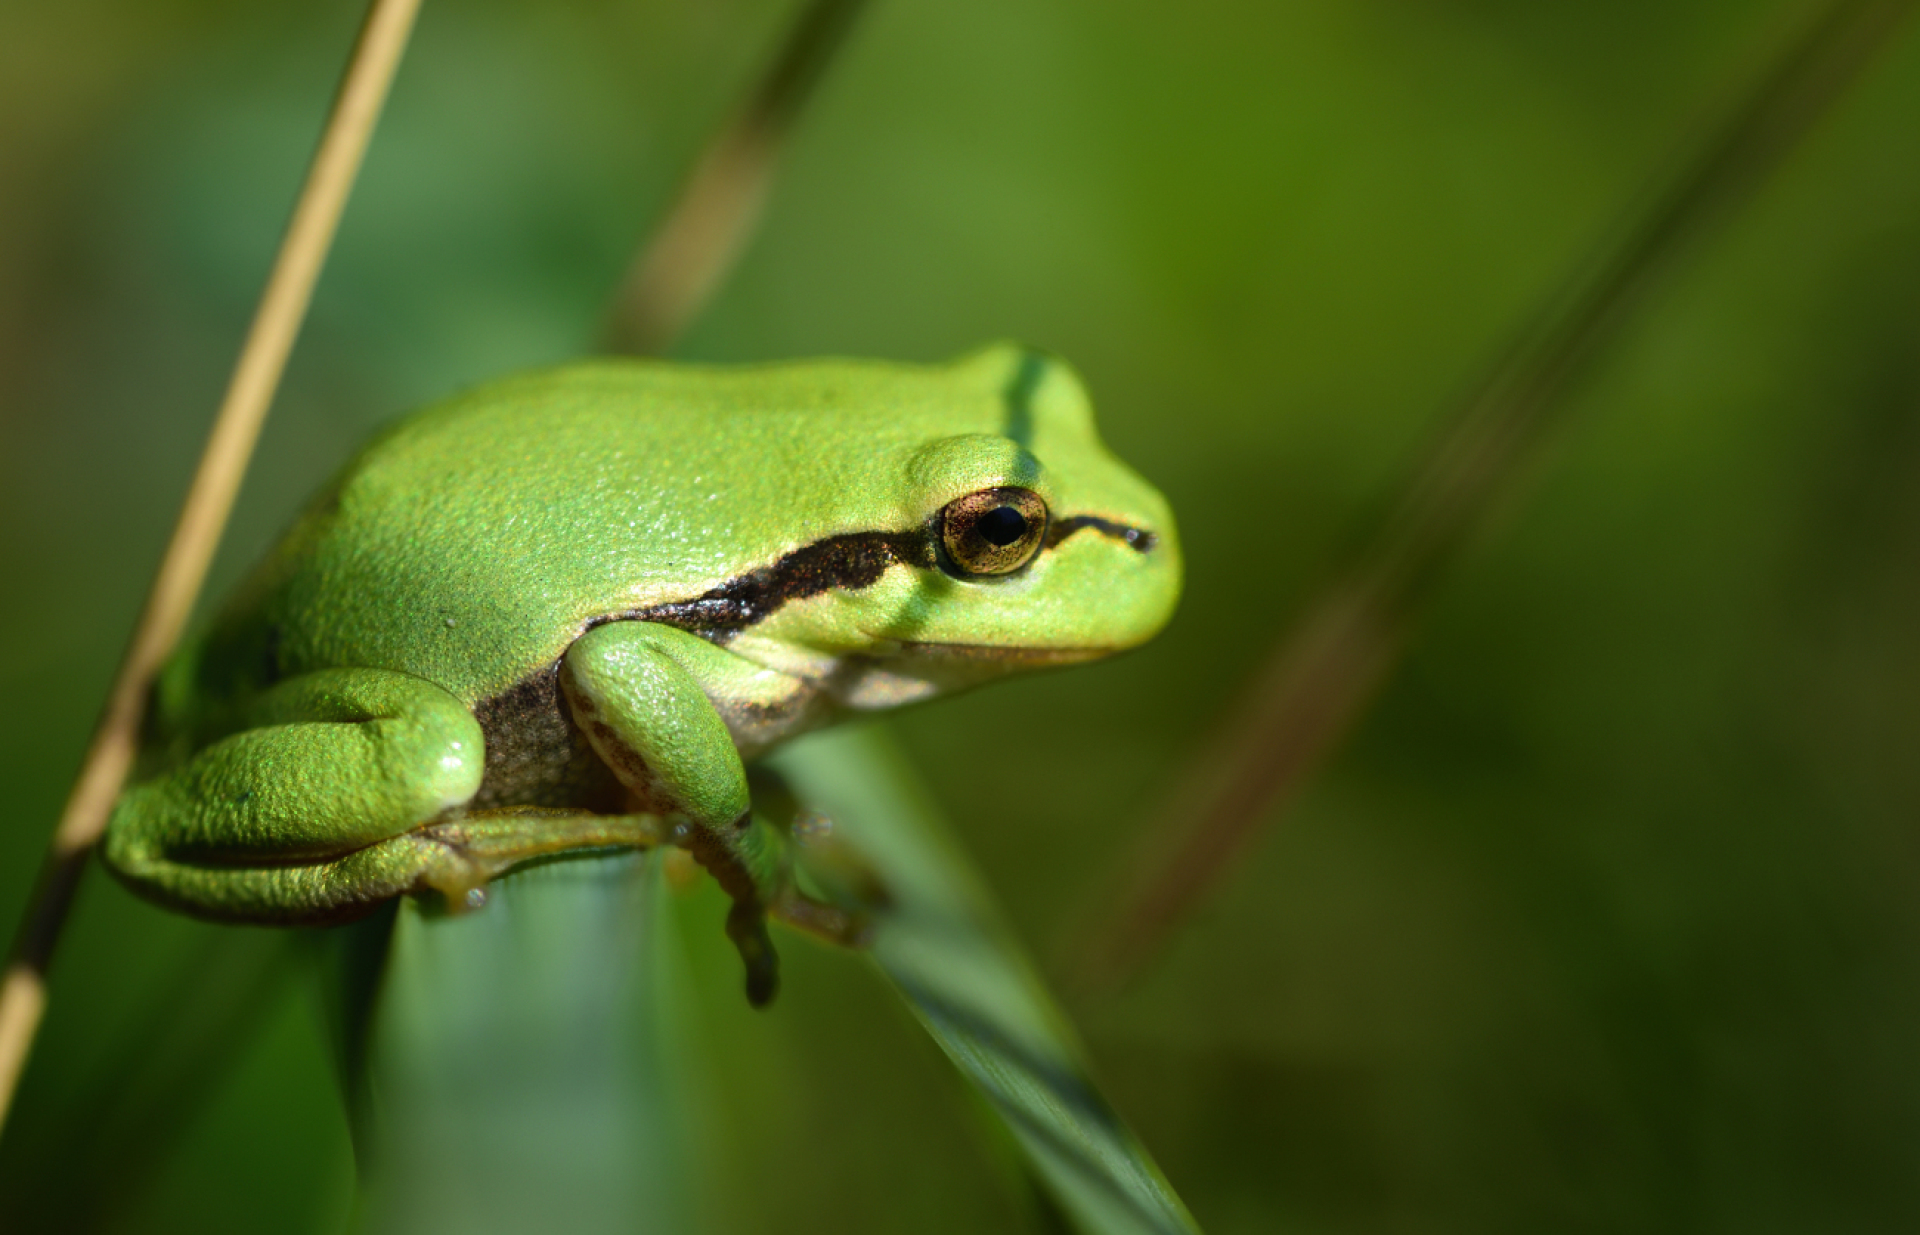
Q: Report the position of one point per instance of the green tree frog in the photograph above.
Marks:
(560, 612)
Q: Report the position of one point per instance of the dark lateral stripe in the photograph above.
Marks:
(855, 560)
(1136, 538)
(851, 561)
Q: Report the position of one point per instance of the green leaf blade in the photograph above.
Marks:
(940, 944)
(513, 1070)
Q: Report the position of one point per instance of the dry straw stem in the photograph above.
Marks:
(1320, 677)
(717, 208)
(256, 375)
(701, 236)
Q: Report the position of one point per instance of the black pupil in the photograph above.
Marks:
(1001, 526)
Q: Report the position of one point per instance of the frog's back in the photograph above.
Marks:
(472, 542)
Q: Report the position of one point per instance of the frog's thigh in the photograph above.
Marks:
(286, 819)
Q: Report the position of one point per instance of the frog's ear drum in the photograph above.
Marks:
(992, 532)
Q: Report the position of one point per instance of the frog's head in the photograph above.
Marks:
(1013, 538)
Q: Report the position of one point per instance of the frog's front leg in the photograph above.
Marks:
(341, 792)
(639, 692)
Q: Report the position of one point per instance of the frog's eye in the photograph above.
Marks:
(994, 531)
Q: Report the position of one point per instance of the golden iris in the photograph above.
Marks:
(994, 531)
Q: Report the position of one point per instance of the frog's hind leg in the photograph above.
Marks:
(461, 856)
(456, 859)
(342, 792)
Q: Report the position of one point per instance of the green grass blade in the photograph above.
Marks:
(510, 1071)
(164, 1063)
(942, 946)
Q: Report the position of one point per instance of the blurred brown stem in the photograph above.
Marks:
(1321, 675)
(176, 585)
(718, 206)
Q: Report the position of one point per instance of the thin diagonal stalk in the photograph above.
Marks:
(716, 210)
(183, 569)
(678, 245)
(1320, 677)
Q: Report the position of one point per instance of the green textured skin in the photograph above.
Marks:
(612, 485)
(320, 743)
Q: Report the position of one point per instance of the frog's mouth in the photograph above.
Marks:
(908, 672)
(1005, 658)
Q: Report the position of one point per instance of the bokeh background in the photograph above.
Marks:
(1605, 919)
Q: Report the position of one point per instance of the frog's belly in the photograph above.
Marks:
(537, 756)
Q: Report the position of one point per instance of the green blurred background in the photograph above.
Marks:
(1605, 919)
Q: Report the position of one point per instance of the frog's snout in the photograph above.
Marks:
(1139, 582)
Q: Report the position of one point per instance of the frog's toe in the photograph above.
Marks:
(839, 869)
(454, 876)
(747, 927)
(824, 921)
